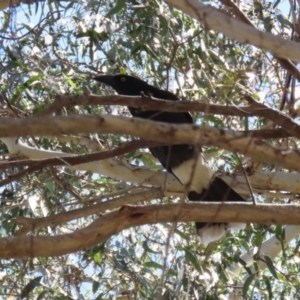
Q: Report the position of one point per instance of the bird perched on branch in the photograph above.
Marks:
(180, 160)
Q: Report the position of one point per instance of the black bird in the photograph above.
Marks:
(179, 159)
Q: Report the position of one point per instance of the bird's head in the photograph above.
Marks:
(124, 84)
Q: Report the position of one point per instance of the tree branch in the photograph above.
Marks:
(277, 117)
(128, 216)
(7, 3)
(288, 65)
(73, 160)
(213, 19)
(145, 103)
(260, 180)
(271, 247)
(29, 224)
(107, 167)
(290, 128)
(154, 131)
(152, 103)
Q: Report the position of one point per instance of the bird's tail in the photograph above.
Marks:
(218, 191)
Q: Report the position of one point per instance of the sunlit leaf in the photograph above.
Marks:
(119, 5)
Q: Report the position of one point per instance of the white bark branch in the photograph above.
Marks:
(277, 181)
(107, 167)
(271, 247)
(212, 18)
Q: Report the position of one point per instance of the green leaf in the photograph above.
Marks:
(42, 295)
(152, 264)
(268, 23)
(120, 4)
(119, 265)
(284, 21)
(269, 287)
(245, 245)
(257, 239)
(95, 286)
(31, 286)
(193, 260)
(99, 297)
(97, 257)
(280, 233)
(123, 70)
(270, 265)
(164, 25)
(69, 80)
(148, 249)
(247, 284)
(182, 234)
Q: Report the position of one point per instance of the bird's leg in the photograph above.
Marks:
(146, 95)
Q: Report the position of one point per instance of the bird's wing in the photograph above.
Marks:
(172, 156)
(218, 191)
(179, 159)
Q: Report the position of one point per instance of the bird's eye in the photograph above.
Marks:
(123, 79)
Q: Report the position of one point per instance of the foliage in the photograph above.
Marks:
(56, 47)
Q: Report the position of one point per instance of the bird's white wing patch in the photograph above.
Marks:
(201, 174)
(213, 232)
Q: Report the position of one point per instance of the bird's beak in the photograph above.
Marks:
(106, 79)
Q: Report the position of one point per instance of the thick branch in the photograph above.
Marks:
(78, 159)
(212, 18)
(7, 3)
(277, 181)
(288, 65)
(277, 117)
(155, 131)
(108, 167)
(255, 109)
(73, 160)
(145, 103)
(271, 247)
(29, 224)
(128, 216)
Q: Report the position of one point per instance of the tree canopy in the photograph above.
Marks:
(87, 212)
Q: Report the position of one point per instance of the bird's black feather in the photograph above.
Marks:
(171, 156)
(218, 191)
